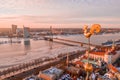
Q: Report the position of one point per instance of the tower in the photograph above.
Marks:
(14, 28)
(108, 57)
(113, 46)
(26, 32)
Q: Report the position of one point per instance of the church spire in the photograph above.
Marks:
(113, 45)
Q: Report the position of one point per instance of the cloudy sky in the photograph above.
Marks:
(59, 13)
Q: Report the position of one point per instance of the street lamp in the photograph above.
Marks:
(95, 28)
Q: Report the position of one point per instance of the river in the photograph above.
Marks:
(13, 54)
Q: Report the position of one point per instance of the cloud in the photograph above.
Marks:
(32, 19)
(67, 19)
(19, 3)
(60, 11)
(61, 7)
(8, 18)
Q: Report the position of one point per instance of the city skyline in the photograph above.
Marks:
(59, 13)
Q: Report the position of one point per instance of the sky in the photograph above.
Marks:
(59, 13)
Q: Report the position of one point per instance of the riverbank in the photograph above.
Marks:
(44, 65)
(26, 56)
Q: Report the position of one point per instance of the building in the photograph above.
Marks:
(52, 73)
(26, 32)
(19, 32)
(109, 56)
(14, 28)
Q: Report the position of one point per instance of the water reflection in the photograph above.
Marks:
(27, 46)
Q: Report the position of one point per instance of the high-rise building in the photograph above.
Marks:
(19, 32)
(14, 28)
(26, 32)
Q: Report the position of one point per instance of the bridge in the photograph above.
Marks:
(71, 42)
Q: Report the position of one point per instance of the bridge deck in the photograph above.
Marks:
(76, 42)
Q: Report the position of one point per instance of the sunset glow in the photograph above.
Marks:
(59, 13)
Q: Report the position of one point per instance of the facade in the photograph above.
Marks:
(26, 32)
(14, 28)
(109, 56)
(52, 73)
(19, 32)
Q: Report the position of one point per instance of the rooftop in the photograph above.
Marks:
(98, 53)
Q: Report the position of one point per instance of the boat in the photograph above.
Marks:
(110, 42)
(37, 37)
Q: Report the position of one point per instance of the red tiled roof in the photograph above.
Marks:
(111, 67)
(98, 53)
(111, 53)
(79, 62)
(84, 57)
(108, 53)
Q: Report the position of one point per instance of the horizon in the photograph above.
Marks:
(59, 13)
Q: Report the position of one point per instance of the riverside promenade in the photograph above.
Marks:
(32, 68)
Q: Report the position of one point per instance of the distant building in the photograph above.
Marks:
(26, 32)
(19, 32)
(14, 28)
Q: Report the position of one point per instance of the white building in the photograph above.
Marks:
(109, 56)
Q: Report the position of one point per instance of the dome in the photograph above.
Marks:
(88, 67)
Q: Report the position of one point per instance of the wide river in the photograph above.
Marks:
(13, 54)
